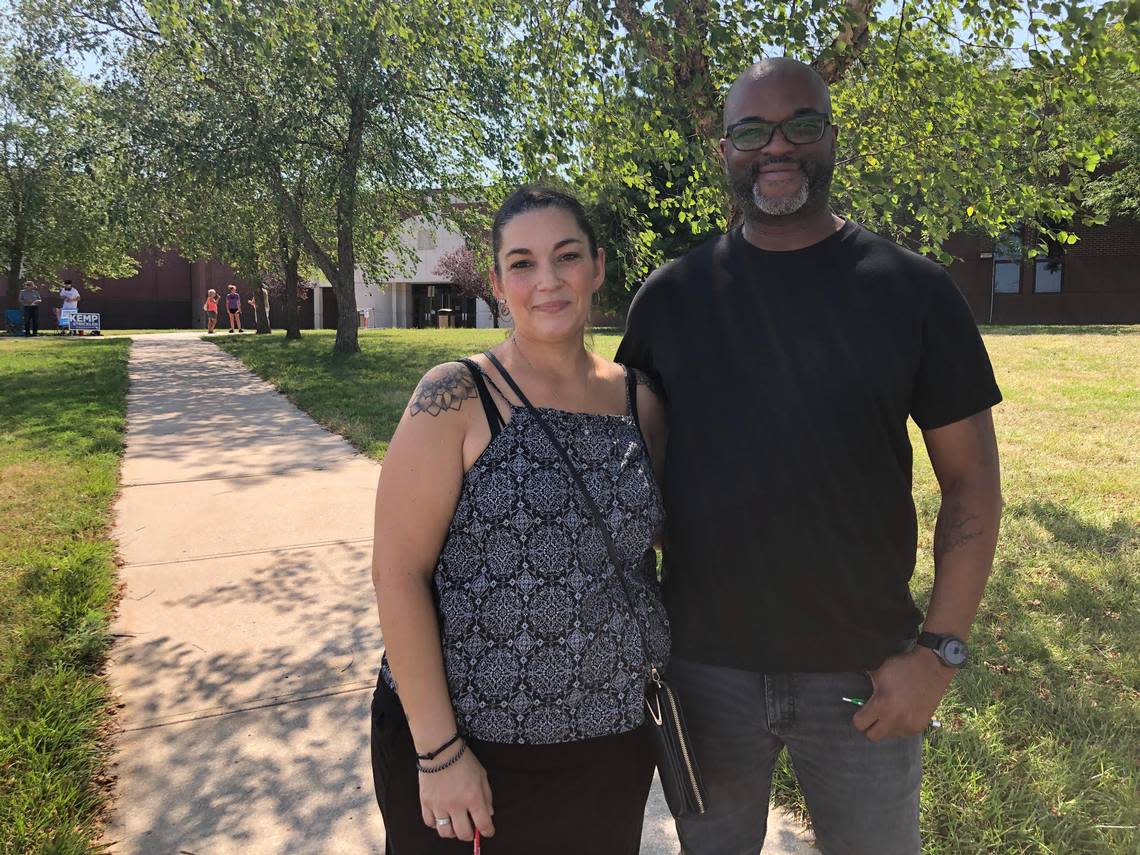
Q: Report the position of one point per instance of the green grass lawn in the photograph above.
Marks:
(1040, 749)
(62, 413)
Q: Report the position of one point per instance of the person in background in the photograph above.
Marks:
(210, 307)
(30, 301)
(233, 307)
(265, 302)
(70, 295)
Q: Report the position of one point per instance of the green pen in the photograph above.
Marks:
(859, 702)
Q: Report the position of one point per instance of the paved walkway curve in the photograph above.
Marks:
(246, 642)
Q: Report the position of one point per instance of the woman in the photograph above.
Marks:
(210, 307)
(519, 671)
(233, 307)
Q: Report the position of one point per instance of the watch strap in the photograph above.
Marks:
(930, 639)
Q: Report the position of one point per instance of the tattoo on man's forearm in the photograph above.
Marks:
(955, 528)
(447, 389)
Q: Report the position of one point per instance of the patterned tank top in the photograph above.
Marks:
(539, 643)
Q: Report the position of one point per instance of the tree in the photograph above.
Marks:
(468, 278)
(1115, 191)
(379, 105)
(286, 283)
(197, 202)
(949, 111)
(59, 172)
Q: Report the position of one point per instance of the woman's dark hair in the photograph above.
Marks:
(533, 197)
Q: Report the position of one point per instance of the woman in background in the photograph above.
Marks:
(233, 307)
(210, 307)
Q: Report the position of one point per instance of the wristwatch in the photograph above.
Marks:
(949, 648)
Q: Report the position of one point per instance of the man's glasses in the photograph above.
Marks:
(802, 129)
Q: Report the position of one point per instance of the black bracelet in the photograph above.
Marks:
(431, 755)
(428, 770)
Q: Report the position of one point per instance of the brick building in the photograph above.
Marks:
(167, 293)
(1095, 281)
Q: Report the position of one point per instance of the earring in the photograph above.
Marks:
(504, 309)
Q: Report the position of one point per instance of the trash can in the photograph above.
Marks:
(445, 319)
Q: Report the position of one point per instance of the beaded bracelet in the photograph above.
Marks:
(428, 770)
(431, 755)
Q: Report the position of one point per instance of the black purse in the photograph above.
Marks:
(676, 765)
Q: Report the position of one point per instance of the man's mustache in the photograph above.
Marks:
(754, 170)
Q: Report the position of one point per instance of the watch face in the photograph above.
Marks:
(954, 652)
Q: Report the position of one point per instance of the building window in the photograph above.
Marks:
(1047, 276)
(425, 239)
(1047, 270)
(1009, 249)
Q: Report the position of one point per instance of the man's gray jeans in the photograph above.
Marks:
(862, 796)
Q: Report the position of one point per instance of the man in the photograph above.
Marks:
(70, 295)
(791, 352)
(265, 303)
(30, 301)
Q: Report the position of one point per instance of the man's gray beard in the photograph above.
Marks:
(781, 206)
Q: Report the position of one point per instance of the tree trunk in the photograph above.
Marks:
(292, 315)
(346, 317)
(345, 283)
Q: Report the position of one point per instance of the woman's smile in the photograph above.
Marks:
(550, 306)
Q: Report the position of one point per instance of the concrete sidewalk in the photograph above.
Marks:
(247, 642)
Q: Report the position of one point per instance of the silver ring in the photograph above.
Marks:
(444, 821)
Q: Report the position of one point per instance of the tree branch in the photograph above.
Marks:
(292, 213)
(834, 60)
(629, 13)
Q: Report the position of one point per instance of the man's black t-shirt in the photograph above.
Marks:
(788, 379)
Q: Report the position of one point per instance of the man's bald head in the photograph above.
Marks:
(772, 73)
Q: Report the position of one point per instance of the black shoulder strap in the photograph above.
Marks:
(510, 380)
(595, 514)
(494, 417)
(493, 385)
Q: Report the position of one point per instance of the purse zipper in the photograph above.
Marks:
(685, 753)
(656, 678)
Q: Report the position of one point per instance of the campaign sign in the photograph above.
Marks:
(86, 321)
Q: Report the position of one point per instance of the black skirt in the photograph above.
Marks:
(571, 798)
